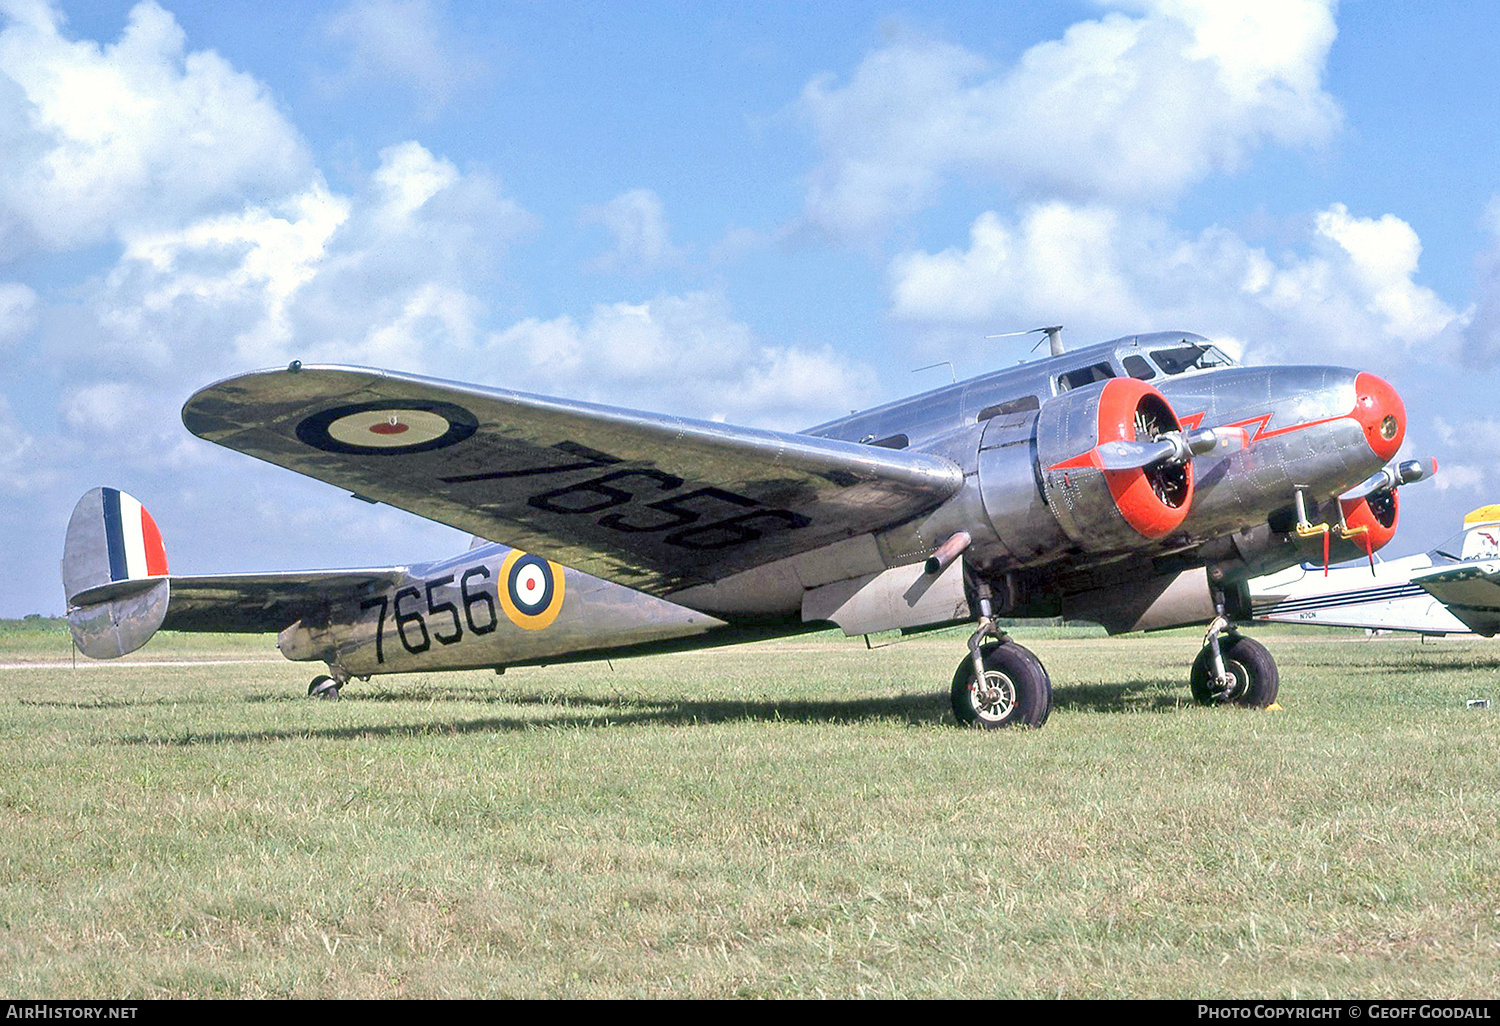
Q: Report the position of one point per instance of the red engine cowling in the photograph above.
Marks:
(1107, 509)
(1044, 487)
(1372, 519)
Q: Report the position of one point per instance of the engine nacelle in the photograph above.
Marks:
(1372, 519)
(1044, 485)
(1366, 526)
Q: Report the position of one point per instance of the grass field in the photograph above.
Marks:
(780, 819)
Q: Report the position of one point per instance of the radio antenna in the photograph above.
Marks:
(940, 363)
(1054, 336)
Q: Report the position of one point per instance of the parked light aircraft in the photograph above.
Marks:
(1454, 589)
(1138, 483)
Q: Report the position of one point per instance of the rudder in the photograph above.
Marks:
(1482, 533)
(114, 572)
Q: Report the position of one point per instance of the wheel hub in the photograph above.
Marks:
(995, 696)
(1234, 682)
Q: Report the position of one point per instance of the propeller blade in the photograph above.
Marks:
(1173, 447)
(1219, 441)
(1393, 476)
(1127, 455)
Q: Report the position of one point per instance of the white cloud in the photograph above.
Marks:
(105, 409)
(1120, 108)
(1057, 258)
(407, 41)
(637, 222)
(252, 262)
(17, 312)
(23, 470)
(1478, 440)
(1382, 260)
(1460, 477)
(1103, 272)
(681, 354)
(389, 276)
(138, 132)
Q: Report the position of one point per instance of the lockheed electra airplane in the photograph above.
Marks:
(1454, 589)
(1138, 483)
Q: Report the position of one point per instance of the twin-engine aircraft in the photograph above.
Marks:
(1454, 589)
(1138, 483)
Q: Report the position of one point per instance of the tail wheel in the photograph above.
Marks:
(1015, 691)
(324, 687)
(1252, 679)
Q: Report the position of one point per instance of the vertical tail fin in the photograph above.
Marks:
(114, 572)
(1482, 533)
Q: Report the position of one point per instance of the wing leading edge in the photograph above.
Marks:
(650, 501)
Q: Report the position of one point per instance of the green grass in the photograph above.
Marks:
(782, 819)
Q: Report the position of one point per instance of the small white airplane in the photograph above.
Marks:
(1454, 589)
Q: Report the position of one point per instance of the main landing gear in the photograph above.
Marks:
(1233, 670)
(1008, 689)
(1000, 684)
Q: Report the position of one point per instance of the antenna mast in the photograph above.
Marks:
(1054, 336)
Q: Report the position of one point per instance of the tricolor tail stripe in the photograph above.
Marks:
(135, 548)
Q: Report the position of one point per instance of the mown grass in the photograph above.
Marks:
(781, 819)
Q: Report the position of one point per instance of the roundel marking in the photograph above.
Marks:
(531, 592)
(388, 427)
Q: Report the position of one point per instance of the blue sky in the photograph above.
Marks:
(764, 212)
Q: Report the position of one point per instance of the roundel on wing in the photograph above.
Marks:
(531, 590)
(388, 427)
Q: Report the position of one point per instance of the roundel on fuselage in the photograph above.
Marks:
(531, 590)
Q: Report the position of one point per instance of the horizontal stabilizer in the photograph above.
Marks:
(114, 571)
(1470, 590)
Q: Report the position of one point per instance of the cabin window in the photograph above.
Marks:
(1084, 376)
(1137, 367)
(893, 442)
(1193, 356)
(1022, 405)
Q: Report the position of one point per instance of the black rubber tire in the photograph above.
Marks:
(1024, 689)
(324, 687)
(1254, 671)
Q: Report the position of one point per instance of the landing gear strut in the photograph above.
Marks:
(1233, 670)
(1000, 684)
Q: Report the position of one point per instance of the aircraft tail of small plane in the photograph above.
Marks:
(119, 591)
(1482, 533)
(373, 619)
(114, 571)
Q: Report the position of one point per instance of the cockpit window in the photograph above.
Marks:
(1084, 376)
(1137, 367)
(1193, 356)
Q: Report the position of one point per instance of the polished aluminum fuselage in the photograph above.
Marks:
(1297, 420)
(1300, 422)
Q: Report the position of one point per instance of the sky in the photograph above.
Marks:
(767, 213)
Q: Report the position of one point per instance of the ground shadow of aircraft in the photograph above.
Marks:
(1138, 483)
